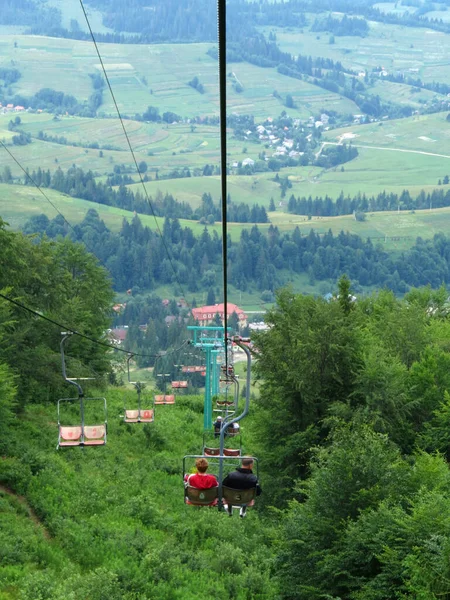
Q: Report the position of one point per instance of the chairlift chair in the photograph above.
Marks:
(218, 496)
(139, 415)
(80, 433)
(164, 398)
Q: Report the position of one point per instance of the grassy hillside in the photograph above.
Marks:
(110, 523)
(140, 76)
(18, 203)
(391, 46)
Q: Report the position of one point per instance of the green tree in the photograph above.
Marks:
(307, 361)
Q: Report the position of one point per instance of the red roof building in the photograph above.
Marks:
(205, 314)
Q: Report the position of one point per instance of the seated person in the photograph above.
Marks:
(217, 426)
(234, 429)
(201, 479)
(242, 479)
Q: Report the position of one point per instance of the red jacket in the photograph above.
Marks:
(201, 482)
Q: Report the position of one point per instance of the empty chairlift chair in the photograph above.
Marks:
(139, 415)
(82, 421)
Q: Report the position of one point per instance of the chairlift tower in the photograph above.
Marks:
(212, 345)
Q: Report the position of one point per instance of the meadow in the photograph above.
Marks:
(140, 77)
(18, 203)
(422, 52)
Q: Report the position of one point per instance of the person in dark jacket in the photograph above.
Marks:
(218, 426)
(242, 479)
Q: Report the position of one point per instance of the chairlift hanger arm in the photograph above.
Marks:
(65, 336)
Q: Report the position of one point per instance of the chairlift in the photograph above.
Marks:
(78, 432)
(164, 398)
(139, 415)
(179, 385)
(221, 457)
(218, 495)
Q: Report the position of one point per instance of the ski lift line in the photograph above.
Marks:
(222, 37)
(81, 434)
(131, 148)
(233, 420)
(18, 163)
(70, 331)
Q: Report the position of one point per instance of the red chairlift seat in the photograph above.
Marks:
(231, 452)
(142, 416)
(69, 436)
(165, 399)
(94, 435)
(201, 497)
(211, 451)
(179, 384)
(224, 402)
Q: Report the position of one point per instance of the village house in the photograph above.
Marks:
(205, 314)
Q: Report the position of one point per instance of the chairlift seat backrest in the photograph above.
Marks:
(70, 436)
(201, 497)
(131, 416)
(179, 384)
(231, 452)
(165, 399)
(94, 435)
(238, 497)
(146, 416)
(211, 451)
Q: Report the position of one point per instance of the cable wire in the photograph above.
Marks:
(87, 337)
(131, 148)
(41, 191)
(222, 36)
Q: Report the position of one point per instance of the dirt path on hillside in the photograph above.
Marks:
(32, 515)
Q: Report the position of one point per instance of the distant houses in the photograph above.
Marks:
(205, 314)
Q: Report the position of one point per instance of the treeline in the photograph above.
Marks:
(28, 12)
(336, 155)
(9, 76)
(194, 20)
(82, 184)
(56, 102)
(137, 256)
(346, 205)
(345, 26)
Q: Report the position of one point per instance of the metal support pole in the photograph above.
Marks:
(226, 424)
(207, 413)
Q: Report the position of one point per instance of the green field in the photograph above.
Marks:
(170, 146)
(424, 133)
(156, 75)
(18, 203)
(394, 47)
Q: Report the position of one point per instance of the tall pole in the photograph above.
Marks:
(207, 412)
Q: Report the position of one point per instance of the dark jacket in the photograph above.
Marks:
(242, 479)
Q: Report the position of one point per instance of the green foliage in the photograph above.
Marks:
(64, 283)
(115, 522)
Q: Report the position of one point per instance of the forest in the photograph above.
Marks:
(349, 420)
(137, 258)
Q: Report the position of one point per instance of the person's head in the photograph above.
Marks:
(201, 465)
(247, 462)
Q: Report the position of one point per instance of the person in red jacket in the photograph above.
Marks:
(201, 480)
